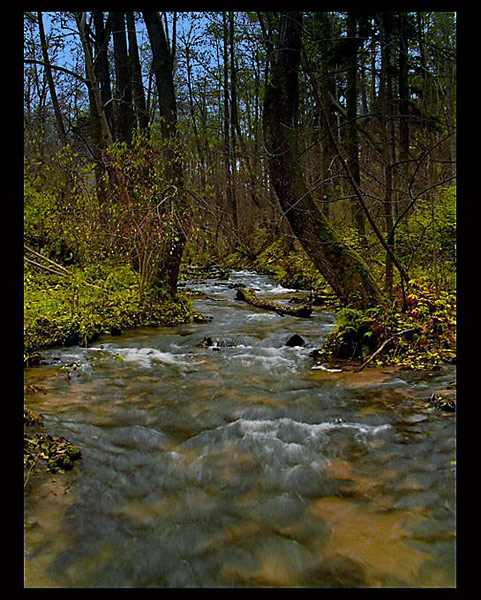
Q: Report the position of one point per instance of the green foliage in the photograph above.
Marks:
(61, 215)
(289, 264)
(145, 206)
(426, 239)
(420, 336)
(61, 312)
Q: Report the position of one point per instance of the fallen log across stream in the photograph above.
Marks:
(248, 295)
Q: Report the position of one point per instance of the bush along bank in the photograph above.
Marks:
(419, 337)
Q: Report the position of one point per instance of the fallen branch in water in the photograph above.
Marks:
(248, 295)
(382, 346)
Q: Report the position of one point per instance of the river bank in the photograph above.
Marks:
(77, 311)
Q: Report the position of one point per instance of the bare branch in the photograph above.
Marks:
(31, 61)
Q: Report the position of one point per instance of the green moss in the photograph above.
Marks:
(287, 262)
(63, 313)
(57, 454)
(421, 336)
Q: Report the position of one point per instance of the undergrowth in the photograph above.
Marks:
(423, 335)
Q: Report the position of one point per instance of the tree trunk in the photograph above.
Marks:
(351, 114)
(342, 268)
(404, 126)
(229, 167)
(162, 69)
(248, 295)
(102, 73)
(123, 92)
(142, 116)
(101, 63)
(386, 97)
(202, 168)
(328, 92)
(93, 83)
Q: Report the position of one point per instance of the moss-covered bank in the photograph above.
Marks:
(419, 336)
(59, 312)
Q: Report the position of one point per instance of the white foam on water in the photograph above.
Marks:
(264, 361)
(292, 434)
(145, 357)
(274, 427)
(280, 290)
(265, 316)
(323, 368)
(287, 451)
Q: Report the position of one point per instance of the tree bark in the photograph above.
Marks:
(248, 295)
(352, 143)
(162, 69)
(342, 268)
(328, 92)
(228, 141)
(101, 63)
(93, 83)
(123, 92)
(142, 115)
(386, 96)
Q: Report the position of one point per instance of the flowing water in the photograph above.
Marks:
(238, 464)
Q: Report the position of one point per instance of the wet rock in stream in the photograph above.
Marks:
(444, 400)
(56, 453)
(295, 340)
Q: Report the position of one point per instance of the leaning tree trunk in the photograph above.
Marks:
(342, 268)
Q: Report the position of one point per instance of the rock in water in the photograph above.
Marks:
(215, 344)
(295, 340)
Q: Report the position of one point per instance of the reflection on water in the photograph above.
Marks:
(240, 466)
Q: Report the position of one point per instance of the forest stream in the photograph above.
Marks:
(235, 463)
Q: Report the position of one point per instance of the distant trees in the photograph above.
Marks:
(162, 68)
(375, 122)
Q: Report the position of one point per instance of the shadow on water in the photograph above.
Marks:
(236, 464)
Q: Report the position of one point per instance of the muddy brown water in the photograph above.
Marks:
(239, 466)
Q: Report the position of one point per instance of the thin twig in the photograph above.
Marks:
(44, 267)
(56, 269)
(381, 348)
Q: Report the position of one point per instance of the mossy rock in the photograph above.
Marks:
(356, 334)
(56, 453)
